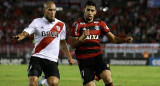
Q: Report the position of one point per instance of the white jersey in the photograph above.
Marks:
(47, 36)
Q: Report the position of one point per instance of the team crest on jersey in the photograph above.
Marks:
(58, 28)
(96, 27)
(42, 27)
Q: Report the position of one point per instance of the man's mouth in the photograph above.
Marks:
(89, 16)
(51, 16)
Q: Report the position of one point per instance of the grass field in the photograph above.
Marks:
(16, 75)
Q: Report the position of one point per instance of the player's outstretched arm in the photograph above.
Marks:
(76, 41)
(65, 50)
(118, 40)
(20, 36)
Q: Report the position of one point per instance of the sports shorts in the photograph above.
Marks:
(37, 65)
(91, 67)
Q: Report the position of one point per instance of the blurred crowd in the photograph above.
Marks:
(137, 20)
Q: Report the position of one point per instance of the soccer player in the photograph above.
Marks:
(86, 34)
(49, 34)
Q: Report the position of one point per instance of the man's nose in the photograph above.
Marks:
(89, 13)
(52, 13)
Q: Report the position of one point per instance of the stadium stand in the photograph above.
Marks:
(135, 18)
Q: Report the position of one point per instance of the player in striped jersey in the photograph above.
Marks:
(49, 34)
(86, 34)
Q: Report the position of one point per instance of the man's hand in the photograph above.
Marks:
(20, 36)
(84, 35)
(129, 39)
(71, 61)
(76, 41)
(17, 38)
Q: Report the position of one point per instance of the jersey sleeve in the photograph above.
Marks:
(75, 30)
(104, 27)
(63, 33)
(31, 28)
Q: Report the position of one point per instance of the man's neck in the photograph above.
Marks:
(88, 21)
(49, 20)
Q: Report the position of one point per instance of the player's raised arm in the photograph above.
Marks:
(65, 50)
(20, 36)
(118, 40)
(76, 41)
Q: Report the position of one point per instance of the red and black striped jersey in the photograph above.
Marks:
(90, 47)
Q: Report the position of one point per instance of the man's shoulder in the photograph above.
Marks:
(59, 20)
(80, 21)
(37, 20)
(97, 21)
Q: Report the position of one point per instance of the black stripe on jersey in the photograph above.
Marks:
(104, 33)
(89, 51)
(89, 44)
(90, 28)
(75, 36)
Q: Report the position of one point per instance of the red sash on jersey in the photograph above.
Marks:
(47, 40)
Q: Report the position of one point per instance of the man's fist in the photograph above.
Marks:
(129, 40)
(20, 36)
(71, 61)
(84, 35)
(17, 38)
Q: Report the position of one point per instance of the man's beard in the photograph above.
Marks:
(50, 20)
(88, 19)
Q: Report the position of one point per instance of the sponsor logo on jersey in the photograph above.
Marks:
(84, 28)
(96, 27)
(76, 29)
(49, 34)
(93, 37)
(74, 24)
(106, 27)
(42, 27)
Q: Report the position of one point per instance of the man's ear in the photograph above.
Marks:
(84, 10)
(43, 10)
(95, 12)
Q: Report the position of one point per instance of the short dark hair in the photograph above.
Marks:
(90, 3)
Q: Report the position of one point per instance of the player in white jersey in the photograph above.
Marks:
(49, 34)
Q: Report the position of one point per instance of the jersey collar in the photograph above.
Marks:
(49, 22)
(83, 19)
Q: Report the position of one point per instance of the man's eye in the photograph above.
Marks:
(90, 10)
(51, 9)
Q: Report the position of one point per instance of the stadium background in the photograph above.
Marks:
(137, 18)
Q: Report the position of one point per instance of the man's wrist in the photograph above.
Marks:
(81, 38)
(69, 59)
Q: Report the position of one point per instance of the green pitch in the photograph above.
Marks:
(16, 75)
